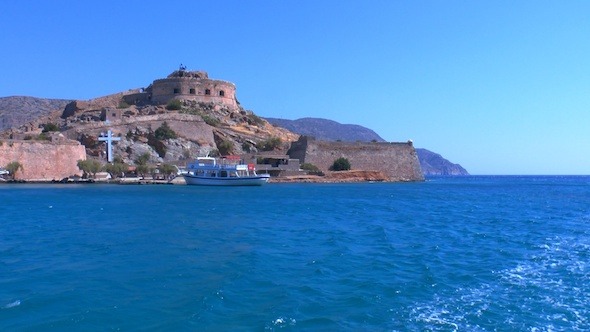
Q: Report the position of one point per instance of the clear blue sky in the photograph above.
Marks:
(501, 87)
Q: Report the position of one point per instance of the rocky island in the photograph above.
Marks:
(175, 119)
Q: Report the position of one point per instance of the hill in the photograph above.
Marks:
(323, 129)
(434, 164)
(16, 111)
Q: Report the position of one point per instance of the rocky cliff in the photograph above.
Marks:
(434, 164)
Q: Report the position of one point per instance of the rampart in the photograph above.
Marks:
(398, 160)
(43, 161)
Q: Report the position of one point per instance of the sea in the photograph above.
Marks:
(473, 253)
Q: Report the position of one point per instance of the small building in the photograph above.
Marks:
(277, 165)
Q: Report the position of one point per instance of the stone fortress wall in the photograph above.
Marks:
(42, 160)
(397, 160)
(186, 85)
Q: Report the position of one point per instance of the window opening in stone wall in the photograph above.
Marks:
(176, 90)
(221, 93)
(192, 91)
(207, 92)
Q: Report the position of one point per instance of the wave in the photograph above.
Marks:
(12, 304)
(549, 291)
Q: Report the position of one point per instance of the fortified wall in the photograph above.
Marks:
(397, 160)
(186, 85)
(42, 160)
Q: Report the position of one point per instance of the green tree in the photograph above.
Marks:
(142, 170)
(225, 147)
(167, 170)
(165, 132)
(340, 164)
(117, 169)
(89, 166)
(14, 167)
(270, 143)
(143, 159)
(142, 167)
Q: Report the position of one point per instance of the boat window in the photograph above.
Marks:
(223, 174)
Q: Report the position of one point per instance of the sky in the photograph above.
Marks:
(500, 87)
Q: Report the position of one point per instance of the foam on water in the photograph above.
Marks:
(12, 304)
(550, 291)
(459, 254)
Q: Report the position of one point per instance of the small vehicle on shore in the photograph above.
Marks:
(228, 171)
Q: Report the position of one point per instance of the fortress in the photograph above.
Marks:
(186, 85)
(398, 161)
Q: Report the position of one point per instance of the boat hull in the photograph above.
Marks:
(229, 181)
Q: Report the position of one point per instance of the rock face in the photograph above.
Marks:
(43, 160)
(434, 164)
(399, 161)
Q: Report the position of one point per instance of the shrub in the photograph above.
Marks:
(143, 159)
(50, 127)
(123, 104)
(43, 137)
(247, 147)
(311, 169)
(14, 167)
(255, 119)
(270, 144)
(165, 132)
(340, 164)
(210, 120)
(225, 147)
(174, 105)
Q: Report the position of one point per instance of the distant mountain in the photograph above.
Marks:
(18, 110)
(434, 164)
(323, 129)
(328, 130)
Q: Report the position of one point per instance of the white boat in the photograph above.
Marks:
(207, 171)
(3, 171)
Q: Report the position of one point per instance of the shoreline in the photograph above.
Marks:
(353, 176)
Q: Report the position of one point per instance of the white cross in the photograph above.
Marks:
(109, 139)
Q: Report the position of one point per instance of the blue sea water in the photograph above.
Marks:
(449, 254)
